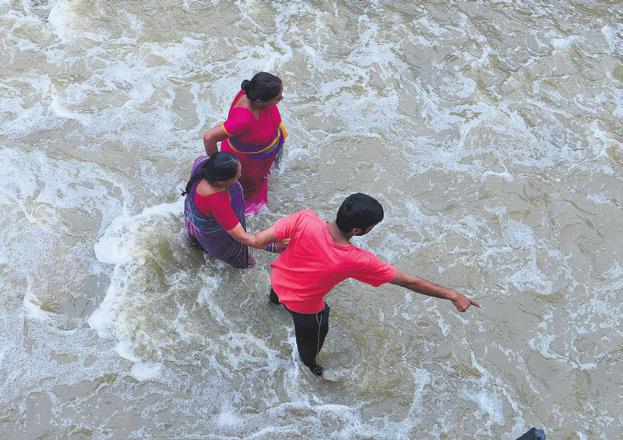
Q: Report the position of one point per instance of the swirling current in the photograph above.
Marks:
(490, 131)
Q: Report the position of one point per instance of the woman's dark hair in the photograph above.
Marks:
(263, 86)
(220, 166)
(358, 211)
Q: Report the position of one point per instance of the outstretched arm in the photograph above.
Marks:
(211, 137)
(259, 240)
(425, 287)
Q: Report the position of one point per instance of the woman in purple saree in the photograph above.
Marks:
(214, 211)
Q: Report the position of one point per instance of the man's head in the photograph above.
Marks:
(358, 214)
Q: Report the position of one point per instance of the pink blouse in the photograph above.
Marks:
(244, 126)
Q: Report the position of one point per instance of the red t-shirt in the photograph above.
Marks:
(313, 263)
(218, 206)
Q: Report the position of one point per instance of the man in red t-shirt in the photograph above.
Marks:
(319, 256)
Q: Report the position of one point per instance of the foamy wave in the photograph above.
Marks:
(32, 307)
(146, 371)
(25, 112)
(65, 20)
(60, 18)
(614, 38)
(120, 246)
(484, 393)
(61, 111)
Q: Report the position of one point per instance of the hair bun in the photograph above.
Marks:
(245, 85)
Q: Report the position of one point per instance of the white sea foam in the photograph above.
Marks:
(124, 349)
(59, 18)
(614, 37)
(600, 140)
(545, 337)
(432, 27)
(121, 246)
(62, 112)
(228, 416)
(145, 371)
(528, 276)
(209, 283)
(615, 271)
(43, 198)
(483, 392)
(66, 23)
(21, 118)
(422, 379)
(504, 175)
(542, 343)
(564, 43)
(112, 250)
(32, 307)
(102, 319)
(518, 235)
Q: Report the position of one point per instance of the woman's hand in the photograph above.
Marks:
(281, 245)
(262, 240)
(278, 246)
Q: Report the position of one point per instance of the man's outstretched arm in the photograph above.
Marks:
(425, 287)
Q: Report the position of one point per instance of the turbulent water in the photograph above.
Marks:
(490, 131)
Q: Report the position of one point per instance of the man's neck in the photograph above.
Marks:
(337, 235)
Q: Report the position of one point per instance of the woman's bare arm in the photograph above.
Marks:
(258, 240)
(211, 137)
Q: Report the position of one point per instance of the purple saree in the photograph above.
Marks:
(205, 230)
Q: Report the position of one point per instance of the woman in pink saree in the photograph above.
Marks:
(254, 133)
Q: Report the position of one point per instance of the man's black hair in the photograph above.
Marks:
(358, 211)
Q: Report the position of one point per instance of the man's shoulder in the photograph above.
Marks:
(364, 258)
(297, 217)
(306, 218)
(308, 213)
(358, 252)
(305, 214)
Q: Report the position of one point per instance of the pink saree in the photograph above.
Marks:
(257, 142)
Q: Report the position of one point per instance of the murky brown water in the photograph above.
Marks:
(490, 132)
